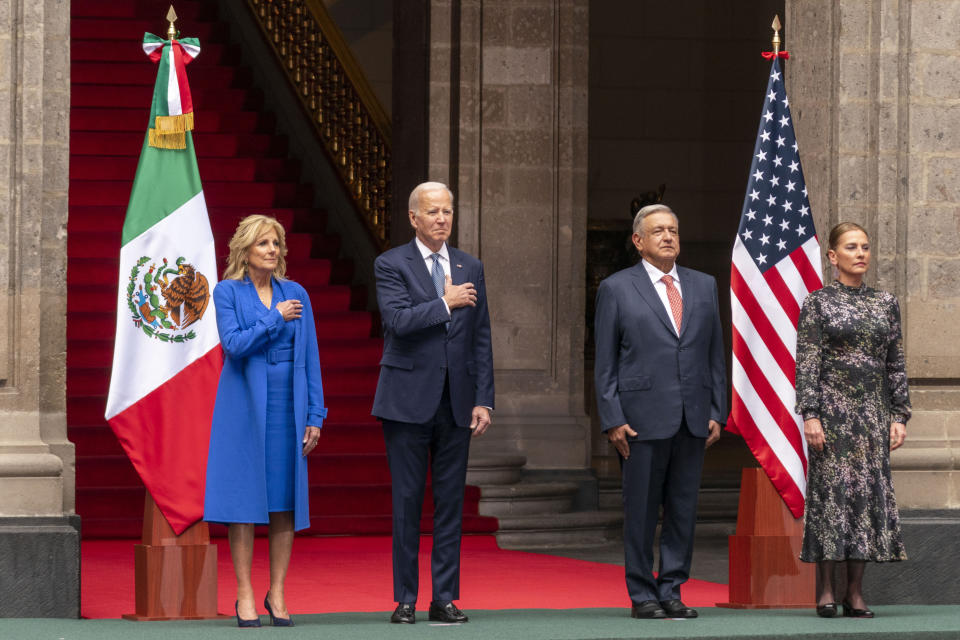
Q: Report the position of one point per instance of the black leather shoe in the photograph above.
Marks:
(850, 612)
(827, 610)
(404, 614)
(648, 609)
(446, 612)
(676, 609)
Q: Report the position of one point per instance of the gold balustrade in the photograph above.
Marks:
(346, 114)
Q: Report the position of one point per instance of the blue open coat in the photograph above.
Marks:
(236, 489)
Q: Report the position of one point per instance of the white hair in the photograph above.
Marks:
(649, 210)
(426, 186)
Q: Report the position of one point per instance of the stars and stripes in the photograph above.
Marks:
(776, 263)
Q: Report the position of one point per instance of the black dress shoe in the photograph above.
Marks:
(404, 614)
(850, 612)
(676, 609)
(274, 620)
(446, 612)
(648, 609)
(827, 610)
(243, 623)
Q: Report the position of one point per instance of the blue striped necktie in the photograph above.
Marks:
(437, 273)
(439, 279)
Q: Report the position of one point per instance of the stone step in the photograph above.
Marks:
(495, 469)
(527, 498)
(715, 503)
(558, 530)
(718, 504)
(609, 493)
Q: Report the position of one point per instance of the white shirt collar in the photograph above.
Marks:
(655, 273)
(426, 252)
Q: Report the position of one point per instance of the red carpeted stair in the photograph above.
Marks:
(245, 169)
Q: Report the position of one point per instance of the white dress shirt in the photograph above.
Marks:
(428, 262)
(661, 288)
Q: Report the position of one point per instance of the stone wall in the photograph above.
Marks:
(508, 131)
(36, 460)
(876, 97)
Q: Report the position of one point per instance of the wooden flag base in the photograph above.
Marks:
(765, 569)
(176, 576)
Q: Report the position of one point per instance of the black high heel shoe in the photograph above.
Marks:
(275, 621)
(850, 612)
(255, 622)
(827, 610)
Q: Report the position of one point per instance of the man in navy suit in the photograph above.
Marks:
(435, 391)
(661, 390)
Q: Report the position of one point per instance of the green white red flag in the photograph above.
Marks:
(167, 356)
(171, 113)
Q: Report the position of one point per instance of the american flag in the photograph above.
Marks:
(776, 263)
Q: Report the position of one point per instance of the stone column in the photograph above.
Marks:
(876, 96)
(507, 131)
(39, 533)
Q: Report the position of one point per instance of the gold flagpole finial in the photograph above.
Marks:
(776, 34)
(171, 18)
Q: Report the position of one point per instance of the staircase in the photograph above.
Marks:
(245, 169)
(537, 510)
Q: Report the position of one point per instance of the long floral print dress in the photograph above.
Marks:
(851, 374)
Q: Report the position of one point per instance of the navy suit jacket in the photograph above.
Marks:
(645, 374)
(419, 350)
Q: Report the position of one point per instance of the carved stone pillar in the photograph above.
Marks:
(507, 132)
(39, 535)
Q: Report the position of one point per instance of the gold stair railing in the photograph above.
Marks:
(346, 114)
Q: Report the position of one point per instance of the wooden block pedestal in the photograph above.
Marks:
(176, 576)
(765, 570)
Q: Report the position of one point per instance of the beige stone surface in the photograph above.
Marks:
(547, 442)
(36, 461)
(520, 179)
(879, 80)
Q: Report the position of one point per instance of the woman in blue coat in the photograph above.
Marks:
(268, 412)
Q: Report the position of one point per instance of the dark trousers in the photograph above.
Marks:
(660, 473)
(411, 448)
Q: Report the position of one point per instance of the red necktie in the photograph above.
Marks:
(676, 302)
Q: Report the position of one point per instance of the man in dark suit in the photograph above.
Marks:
(661, 390)
(435, 391)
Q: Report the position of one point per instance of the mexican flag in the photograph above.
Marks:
(167, 357)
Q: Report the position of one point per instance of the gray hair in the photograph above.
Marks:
(426, 186)
(649, 210)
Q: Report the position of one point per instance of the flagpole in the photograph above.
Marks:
(175, 576)
(764, 566)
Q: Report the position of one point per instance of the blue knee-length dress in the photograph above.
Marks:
(270, 391)
(280, 446)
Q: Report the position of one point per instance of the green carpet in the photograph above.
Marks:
(524, 624)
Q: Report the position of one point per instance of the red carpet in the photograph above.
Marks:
(245, 169)
(336, 574)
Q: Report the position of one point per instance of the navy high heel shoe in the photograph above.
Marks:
(255, 622)
(275, 621)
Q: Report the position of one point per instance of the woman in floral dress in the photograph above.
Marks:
(852, 393)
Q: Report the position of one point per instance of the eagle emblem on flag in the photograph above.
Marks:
(165, 300)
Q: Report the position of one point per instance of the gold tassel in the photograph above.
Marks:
(162, 140)
(175, 124)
